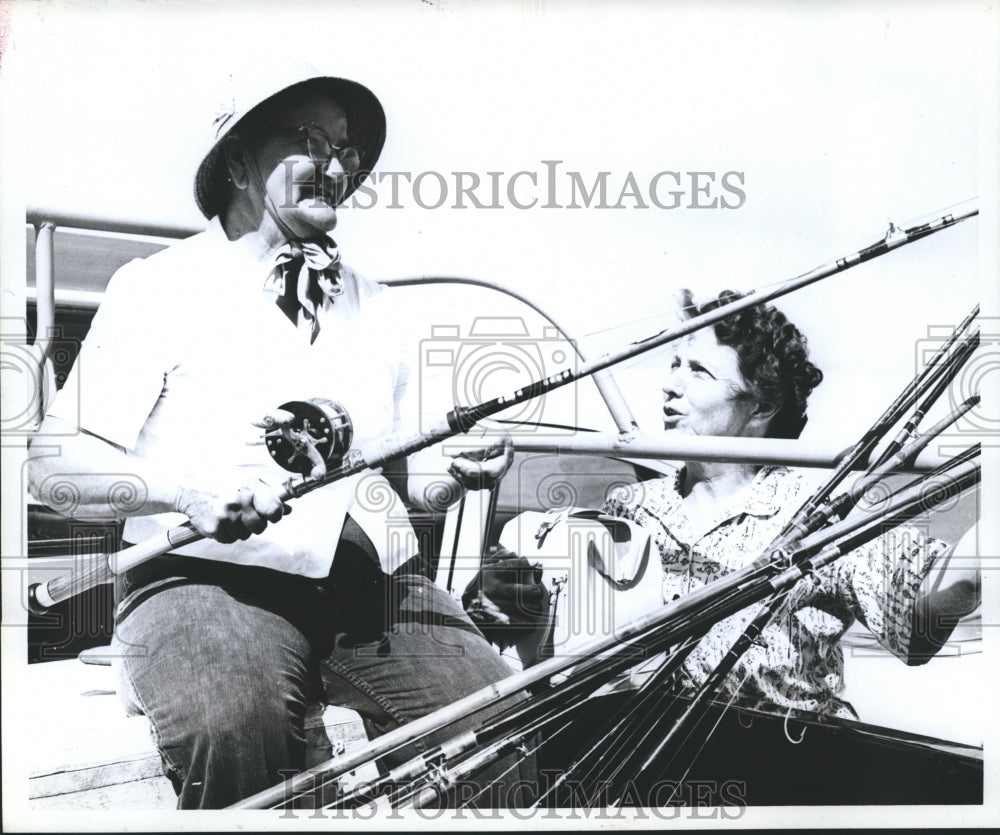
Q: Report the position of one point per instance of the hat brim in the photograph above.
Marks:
(366, 126)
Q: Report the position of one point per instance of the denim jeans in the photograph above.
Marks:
(225, 672)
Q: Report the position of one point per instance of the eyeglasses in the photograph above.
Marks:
(321, 150)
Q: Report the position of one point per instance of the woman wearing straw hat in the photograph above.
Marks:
(223, 643)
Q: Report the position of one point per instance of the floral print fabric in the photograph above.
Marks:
(797, 662)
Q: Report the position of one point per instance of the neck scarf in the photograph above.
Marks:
(304, 273)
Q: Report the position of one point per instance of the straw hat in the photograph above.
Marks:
(365, 120)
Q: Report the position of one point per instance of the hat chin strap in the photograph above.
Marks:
(258, 183)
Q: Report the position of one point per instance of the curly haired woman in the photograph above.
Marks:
(750, 376)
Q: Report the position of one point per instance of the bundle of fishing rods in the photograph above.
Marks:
(654, 725)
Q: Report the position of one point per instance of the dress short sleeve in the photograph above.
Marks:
(880, 582)
(119, 372)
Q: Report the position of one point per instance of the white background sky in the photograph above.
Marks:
(841, 116)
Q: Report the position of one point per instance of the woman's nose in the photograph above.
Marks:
(334, 169)
(673, 386)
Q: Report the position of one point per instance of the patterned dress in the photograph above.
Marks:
(797, 663)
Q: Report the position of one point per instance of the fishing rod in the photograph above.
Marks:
(103, 567)
(523, 720)
(952, 365)
(941, 368)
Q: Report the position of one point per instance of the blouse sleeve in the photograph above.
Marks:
(880, 581)
(119, 372)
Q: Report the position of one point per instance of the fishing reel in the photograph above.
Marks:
(308, 436)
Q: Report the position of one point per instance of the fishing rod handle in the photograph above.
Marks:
(102, 568)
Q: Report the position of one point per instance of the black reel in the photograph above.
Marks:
(308, 436)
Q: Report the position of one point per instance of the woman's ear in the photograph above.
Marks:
(235, 155)
(761, 416)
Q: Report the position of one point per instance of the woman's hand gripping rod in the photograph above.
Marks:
(103, 567)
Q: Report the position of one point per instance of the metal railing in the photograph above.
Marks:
(46, 222)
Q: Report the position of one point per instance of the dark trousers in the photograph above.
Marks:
(224, 661)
